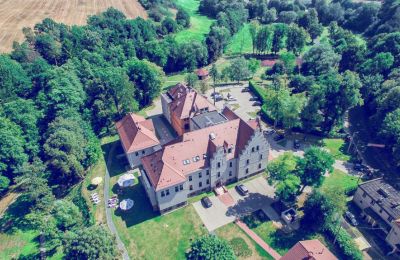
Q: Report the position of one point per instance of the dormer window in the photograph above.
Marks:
(229, 150)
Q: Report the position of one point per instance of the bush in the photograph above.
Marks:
(240, 247)
(257, 90)
(345, 243)
(210, 247)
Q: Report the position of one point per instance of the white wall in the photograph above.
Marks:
(134, 158)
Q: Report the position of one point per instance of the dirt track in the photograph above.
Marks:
(17, 14)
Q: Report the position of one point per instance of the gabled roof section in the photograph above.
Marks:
(136, 133)
(309, 249)
(186, 102)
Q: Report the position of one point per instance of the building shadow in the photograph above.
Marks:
(114, 157)
(141, 210)
(249, 204)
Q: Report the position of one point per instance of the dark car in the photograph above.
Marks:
(279, 137)
(257, 103)
(218, 98)
(245, 89)
(269, 131)
(253, 99)
(215, 94)
(206, 202)
(242, 189)
(359, 167)
(296, 144)
(351, 218)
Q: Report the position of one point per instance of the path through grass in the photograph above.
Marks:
(199, 24)
(240, 42)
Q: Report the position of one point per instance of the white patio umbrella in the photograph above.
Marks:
(126, 204)
(126, 180)
(96, 181)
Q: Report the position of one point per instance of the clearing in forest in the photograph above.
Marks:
(17, 14)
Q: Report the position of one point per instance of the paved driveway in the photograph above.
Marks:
(260, 197)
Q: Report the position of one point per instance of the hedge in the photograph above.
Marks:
(257, 90)
(345, 243)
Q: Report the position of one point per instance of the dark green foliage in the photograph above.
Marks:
(183, 18)
(216, 41)
(346, 243)
(168, 25)
(210, 247)
(4, 183)
(240, 247)
(296, 39)
(90, 243)
(319, 60)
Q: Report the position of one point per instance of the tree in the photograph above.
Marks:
(315, 30)
(13, 80)
(288, 189)
(168, 25)
(4, 183)
(319, 59)
(296, 39)
(66, 214)
(90, 243)
(289, 61)
(210, 247)
(183, 18)
(204, 86)
(281, 167)
(254, 64)
(278, 40)
(216, 41)
(191, 80)
(148, 79)
(315, 164)
(381, 63)
(253, 33)
(264, 39)
(239, 69)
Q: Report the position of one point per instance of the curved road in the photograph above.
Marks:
(110, 222)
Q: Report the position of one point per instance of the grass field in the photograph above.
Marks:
(240, 42)
(20, 243)
(340, 179)
(231, 231)
(338, 148)
(16, 14)
(199, 24)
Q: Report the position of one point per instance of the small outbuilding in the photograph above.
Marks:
(126, 180)
(202, 74)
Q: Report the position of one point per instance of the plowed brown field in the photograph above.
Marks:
(16, 14)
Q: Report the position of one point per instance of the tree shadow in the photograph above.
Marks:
(116, 163)
(141, 210)
(14, 218)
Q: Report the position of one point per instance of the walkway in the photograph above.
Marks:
(110, 223)
(258, 240)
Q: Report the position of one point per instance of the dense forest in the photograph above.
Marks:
(64, 86)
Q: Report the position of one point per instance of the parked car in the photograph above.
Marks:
(206, 202)
(351, 218)
(253, 99)
(359, 167)
(230, 98)
(257, 103)
(269, 131)
(242, 190)
(279, 137)
(245, 89)
(296, 144)
(218, 97)
(215, 94)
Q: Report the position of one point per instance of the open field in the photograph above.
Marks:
(240, 42)
(199, 24)
(17, 14)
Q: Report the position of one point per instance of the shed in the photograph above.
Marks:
(202, 74)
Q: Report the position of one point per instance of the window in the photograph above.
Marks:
(162, 194)
(259, 166)
(261, 156)
(247, 170)
(230, 173)
(229, 150)
(200, 184)
(247, 161)
(186, 126)
(176, 189)
(380, 211)
(372, 202)
(137, 153)
(143, 151)
(200, 175)
(191, 187)
(364, 195)
(219, 174)
(361, 201)
(258, 148)
(166, 192)
(390, 219)
(219, 165)
(181, 187)
(230, 164)
(190, 178)
(252, 149)
(208, 181)
(208, 172)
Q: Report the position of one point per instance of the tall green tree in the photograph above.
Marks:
(278, 40)
(296, 39)
(239, 69)
(210, 247)
(319, 59)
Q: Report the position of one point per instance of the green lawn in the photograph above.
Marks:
(232, 231)
(240, 42)
(199, 24)
(18, 244)
(338, 148)
(145, 233)
(174, 79)
(340, 179)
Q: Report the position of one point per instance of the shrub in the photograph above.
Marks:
(257, 90)
(240, 247)
(210, 247)
(345, 243)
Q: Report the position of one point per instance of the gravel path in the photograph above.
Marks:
(110, 223)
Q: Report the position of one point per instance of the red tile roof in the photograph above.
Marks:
(202, 72)
(268, 63)
(136, 133)
(168, 167)
(187, 102)
(309, 250)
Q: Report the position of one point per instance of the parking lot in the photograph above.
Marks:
(260, 197)
(243, 105)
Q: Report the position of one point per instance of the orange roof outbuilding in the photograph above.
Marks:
(309, 250)
(136, 133)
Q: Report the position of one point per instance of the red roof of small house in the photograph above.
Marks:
(136, 133)
(310, 250)
(202, 72)
(268, 63)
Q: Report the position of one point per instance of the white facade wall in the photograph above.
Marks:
(170, 197)
(134, 158)
(151, 194)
